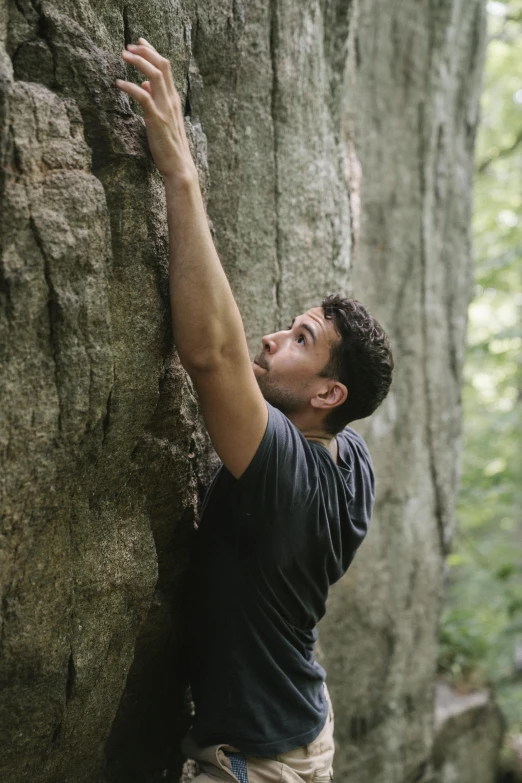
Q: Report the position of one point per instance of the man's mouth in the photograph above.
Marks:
(260, 365)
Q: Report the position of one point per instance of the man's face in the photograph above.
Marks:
(287, 368)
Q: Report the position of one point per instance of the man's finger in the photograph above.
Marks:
(154, 75)
(146, 86)
(161, 63)
(143, 97)
(146, 43)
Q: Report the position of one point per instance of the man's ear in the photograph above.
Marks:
(335, 395)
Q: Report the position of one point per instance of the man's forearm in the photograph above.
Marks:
(206, 322)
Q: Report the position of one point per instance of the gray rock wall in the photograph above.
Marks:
(102, 451)
(469, 731)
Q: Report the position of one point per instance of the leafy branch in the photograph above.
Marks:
(501, 154)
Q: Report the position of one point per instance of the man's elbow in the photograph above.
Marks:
(203, 361)
(211, 360)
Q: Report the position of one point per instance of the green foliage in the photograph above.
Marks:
(482, 622)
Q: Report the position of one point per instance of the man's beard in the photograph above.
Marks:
(285, 400)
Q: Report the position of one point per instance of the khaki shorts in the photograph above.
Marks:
(310, 763)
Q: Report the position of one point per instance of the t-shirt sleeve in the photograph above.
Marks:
(279, 474)
(361, 481)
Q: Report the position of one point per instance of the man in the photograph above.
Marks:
(292, 502)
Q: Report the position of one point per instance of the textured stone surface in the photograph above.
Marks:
(469, 730)
(103, 455)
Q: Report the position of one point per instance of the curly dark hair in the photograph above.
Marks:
(362, 360)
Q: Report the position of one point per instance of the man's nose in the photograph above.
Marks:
(269, 343)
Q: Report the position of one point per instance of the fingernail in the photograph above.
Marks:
(144, 40)
(131, 46)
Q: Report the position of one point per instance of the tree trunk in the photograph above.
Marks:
(103, 455)
(415, 109)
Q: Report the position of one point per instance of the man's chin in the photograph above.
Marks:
(285, 402)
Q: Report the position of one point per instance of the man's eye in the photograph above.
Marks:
(302, 337)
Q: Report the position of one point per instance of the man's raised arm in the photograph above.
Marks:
(208, 329)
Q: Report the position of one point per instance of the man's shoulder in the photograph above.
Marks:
(350, 436)
(355, 454)
(287, 434)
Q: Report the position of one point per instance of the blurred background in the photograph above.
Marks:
(481, 631)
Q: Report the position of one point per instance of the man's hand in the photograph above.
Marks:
(162, 111)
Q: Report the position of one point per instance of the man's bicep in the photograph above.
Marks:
(234, 411)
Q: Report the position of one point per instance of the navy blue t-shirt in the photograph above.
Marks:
(268, 547)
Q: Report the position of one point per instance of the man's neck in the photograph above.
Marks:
(326, 440)
(329, 442)
(314, 432)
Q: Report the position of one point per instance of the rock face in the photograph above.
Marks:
(469, 730)
(103, 456)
